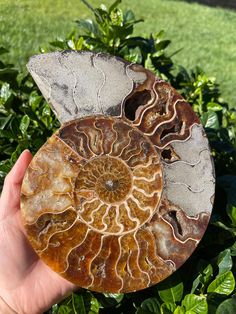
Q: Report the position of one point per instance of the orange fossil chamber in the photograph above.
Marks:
(120, 196)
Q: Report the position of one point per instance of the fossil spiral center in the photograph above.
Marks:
(109, 177)
(115, 183)
(111, 185)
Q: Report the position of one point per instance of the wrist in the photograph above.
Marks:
(5, 308)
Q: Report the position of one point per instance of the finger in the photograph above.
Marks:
(10, 197)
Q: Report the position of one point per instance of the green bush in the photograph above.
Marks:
(205, 283)
(26, 119)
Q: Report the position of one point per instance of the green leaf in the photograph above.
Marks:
(54, 309)
(171, 290)
(5, 166)
(88, 27)
(210, 120)
(231, 210)
(223, 226)
(4, 121)
(102, 16)
(8, 74)
(24, 124)
(5, 93)
(214, 106)
(224, 262)
(195, 304)
(227, 307)
(16, 153)
(3, 50)
(94, 305)
(46, 111)
(114, 5)
(206, 273)
(78, 304)
(168, 308)
(149, 306)
(117, 19)
(129, 16)
(233, 249)
(179, 310)
(110, 299)
(162, 44)
(223, 284)
(34, 100)
(59, 43)
(79, 43)
(116, 296)
(65, 309)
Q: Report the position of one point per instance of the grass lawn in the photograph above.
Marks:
(207, 35)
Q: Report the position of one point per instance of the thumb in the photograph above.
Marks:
(10, 197)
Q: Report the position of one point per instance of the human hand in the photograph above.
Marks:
(27, 285)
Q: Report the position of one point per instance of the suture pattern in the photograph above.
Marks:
(116, 200)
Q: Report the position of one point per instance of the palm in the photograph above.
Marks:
(26, 284)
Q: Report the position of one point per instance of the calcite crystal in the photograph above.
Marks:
(120, 196)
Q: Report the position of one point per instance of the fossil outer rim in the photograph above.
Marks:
(128, 246)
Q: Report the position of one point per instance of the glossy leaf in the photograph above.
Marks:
(195, 304)
(223, 226)
(88, 27)
(116, 296)
(5, 93)
(24, 124)
(206, 273)
(78, 304)
(162, 44)
(214, 106)
(233, 249)
(65, 309)
(224, 262)
(223, 284)
(171, 290)
(94, 306)
(168, 308)
(227, 307)
(129, 16)
(149, 306)
(179, 310)
(4, 120)
(232, 214)
(114, 5)
(58, 43)
(210, 120)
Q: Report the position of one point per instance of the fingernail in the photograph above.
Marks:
(26, 150)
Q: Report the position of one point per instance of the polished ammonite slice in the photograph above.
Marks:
(120, 196)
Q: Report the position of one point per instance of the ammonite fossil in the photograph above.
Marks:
(119, 197)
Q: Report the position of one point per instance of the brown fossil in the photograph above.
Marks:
(120, 196)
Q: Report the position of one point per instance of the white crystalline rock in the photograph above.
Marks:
(78, 84)
(190, 182)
